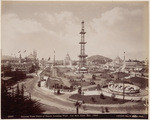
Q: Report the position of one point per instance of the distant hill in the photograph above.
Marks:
(99, 59)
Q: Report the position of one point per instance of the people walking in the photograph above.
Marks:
(102, 109)
(106, 109)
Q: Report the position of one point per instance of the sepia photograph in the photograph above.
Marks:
(74, 59)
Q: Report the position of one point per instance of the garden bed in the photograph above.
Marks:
(96, 99)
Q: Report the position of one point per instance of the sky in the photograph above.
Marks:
(112, 28)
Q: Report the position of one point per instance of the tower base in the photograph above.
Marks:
(83, 70)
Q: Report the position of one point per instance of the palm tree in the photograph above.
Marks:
(77, 105)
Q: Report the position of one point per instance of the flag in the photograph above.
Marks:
(49, 59)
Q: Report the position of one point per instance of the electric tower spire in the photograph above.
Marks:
(82, 56)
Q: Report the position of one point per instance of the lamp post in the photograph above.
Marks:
(123, 92)
(123, 82)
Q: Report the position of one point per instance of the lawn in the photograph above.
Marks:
(85, 83)
(95, 99)
(141, 82)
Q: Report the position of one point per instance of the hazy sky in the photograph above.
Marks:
(112, 28)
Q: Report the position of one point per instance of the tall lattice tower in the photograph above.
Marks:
(82, 56)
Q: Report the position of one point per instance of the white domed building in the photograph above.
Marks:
(67, 61)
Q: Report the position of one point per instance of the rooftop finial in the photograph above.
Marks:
(82, 24)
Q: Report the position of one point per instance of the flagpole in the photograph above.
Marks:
(123, 83)
(54, 57)
(54, 64)
(25, 54)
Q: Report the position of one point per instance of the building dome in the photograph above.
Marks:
(67, 57)
(67, 60)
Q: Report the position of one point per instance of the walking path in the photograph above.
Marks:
(65, 97)
(48, 98)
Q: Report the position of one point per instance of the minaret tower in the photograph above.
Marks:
(20, 58)
(82, 56)
(54, 71)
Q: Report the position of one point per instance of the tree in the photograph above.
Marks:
(106, 109)
(57, 88)
(102, 96)
(93, 99)
(113, 96)
(79, 90)
(54, 86)
(22, 91)
(77, 105)
(18, 104)
(61, 86)
(33, 68)
(49, 59)
(17, 91)
(98, 87)
(71, 88)
(93, 77)
(39, 83)
(82, 76)
(102, 109)
(58, 91)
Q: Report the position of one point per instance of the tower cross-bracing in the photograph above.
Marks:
(82, 56)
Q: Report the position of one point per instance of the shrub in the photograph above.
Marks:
(102, 96)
